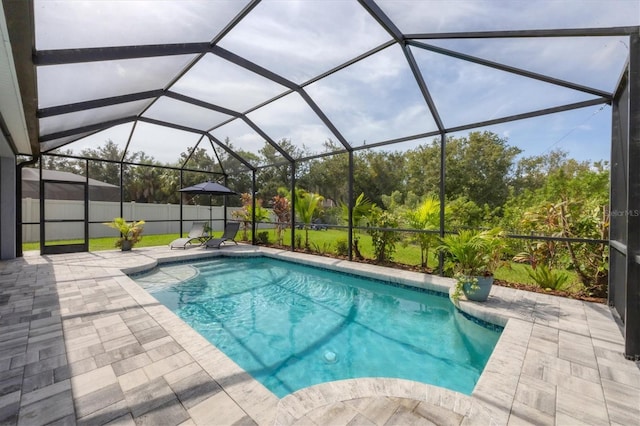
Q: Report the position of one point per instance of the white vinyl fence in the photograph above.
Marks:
(105, 211)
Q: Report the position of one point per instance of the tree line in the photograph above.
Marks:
(488, 183)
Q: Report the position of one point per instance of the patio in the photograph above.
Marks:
(81, 342)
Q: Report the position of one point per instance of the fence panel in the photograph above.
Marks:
(161, 218)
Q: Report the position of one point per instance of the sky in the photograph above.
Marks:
(375, 99)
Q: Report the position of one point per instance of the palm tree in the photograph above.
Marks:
(306, 205)
(425, 217)
(361, 210)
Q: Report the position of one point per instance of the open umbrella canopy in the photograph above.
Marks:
(208, 188)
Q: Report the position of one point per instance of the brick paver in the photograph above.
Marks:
(80, 343)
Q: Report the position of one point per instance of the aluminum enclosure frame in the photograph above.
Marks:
(625, 177)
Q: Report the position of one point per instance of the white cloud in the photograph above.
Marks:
(303, 39)
(92, 23)
(373, 100)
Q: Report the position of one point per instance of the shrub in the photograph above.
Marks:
(342, 247)
(324, 249)
(262, 237)
(549, 279)
(383, 240)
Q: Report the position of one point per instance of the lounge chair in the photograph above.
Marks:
(197, 236)
(229, 234)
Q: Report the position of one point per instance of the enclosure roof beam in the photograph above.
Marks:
(403, 139)
(253, 67)
(231, 152)
(132, 97)
(382, 19)
(186, 160)
(423, 87)
(564, 32)
(324, 118)
(235, 21)
(510, 69)
(386, 23)
(266, 137)
(171, 125)
(85, 129)
(126, 163)
(97, 103)
(350, 62)
(97, 54)
(537, 113)
(203, 104)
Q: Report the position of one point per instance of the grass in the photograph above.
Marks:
(406, 253)
(109, 243)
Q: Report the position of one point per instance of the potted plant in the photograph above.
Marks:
(473, 257)
(130, 232)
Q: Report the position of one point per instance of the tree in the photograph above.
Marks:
(573, 202)
(377, 173)
(383, 239)
(531, 172)
(360, 211)
(478, 166)
(329, 174)
(425, 217)
(282, 209)
(239, 177)
(62, 164)
(307, 204)
(272, 178)
(245, 215)
(105, 171)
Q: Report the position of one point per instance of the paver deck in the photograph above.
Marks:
(81, 343)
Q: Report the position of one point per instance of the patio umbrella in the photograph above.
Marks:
(211, 189)
(207, 188)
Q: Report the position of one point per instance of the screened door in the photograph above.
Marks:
(64, 226)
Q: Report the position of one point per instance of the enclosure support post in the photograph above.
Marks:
(86, 205)
(19, 168)
(253, 207)
(122, 190)
(42, 209)
(443, 149)
(180, 186)
(293, 206)
(224, 203)
(632, 311)
(350, 204)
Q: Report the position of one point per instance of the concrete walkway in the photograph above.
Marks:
(81, 343)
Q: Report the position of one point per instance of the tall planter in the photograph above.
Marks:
(478, 288)
(473, 256)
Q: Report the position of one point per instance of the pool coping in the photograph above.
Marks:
(557, 361)
(493, 397)
(295, 406)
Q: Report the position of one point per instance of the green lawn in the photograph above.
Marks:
(325, 241)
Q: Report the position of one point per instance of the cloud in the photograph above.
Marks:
(300, 40)
(375, 99)
(91, 23)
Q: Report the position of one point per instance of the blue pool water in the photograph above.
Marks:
(291, 326)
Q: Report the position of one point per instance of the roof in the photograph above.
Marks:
(165, 77)
(32, 174)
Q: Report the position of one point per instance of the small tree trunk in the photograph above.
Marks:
(565, 233)
(359, 255)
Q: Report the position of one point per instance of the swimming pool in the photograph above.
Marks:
(292, 326)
